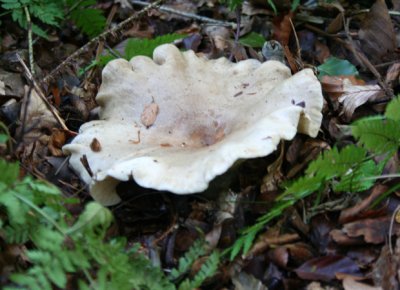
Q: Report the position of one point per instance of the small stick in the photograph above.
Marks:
(86, 165)
(30, 46)
(41, 95)
(104, 36)
(164, 8)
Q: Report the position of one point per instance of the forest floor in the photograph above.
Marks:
(333, 237)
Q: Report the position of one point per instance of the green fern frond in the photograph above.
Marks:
(48, 12)
(207, 270)
(137, 46)
(89, 20)
(143, 46)
(393, 109)
(377, 134)
(195, 251)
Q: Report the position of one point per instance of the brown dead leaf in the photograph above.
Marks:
(272, 179)
(299, 253)
(220, 38)
(354, 96)
(385, 270)
(344, 240)
(270, 238)
(57, 140)
(377, 35)
(372, 230)
(279, 256)
(322, 51)
(326, 268)
(334, 85)
(283, 28)
(351, 284)
(337, 23)
(393, 74)
(351, 213)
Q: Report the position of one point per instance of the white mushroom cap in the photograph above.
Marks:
(176, 122)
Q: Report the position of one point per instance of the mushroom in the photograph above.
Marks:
(201, 116)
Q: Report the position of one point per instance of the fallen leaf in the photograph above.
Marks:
(351, 213)
(377, 35)
(393, 74)
(351, 284)
(325, 268)
(373, 230)
(2, 88)
(354, 96)
(57, 140)
(283, 28)
(385, 269)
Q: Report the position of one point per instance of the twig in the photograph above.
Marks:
(41, 95)
(237, 33)
(30, 46)
(362, 59)
(187, 14)
(392, 219)
(365, 61)
(100, 46)
(104, 36)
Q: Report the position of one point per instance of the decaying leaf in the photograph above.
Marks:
(369, 230)
(351, 284)
(326, 268)
(57, 140)
(2, 88)
(354, 96)
(377, 35)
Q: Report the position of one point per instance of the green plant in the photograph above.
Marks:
(89, 20)
(33, 212)
(334, 66)
(48, 12)
(52, 12)
(134, 47)
(348, 170)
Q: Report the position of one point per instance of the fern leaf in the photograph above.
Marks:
(140, 46)
(89, 21)
(9, 172)
(377, 134)
(393, 109)
(356, 180)
(48, 12)
(207, 270)
(94, 215)
(185, 262)
(10, 4)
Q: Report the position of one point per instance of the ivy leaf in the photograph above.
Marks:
(335, 66)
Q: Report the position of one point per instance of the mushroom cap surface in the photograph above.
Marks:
(177, 121)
